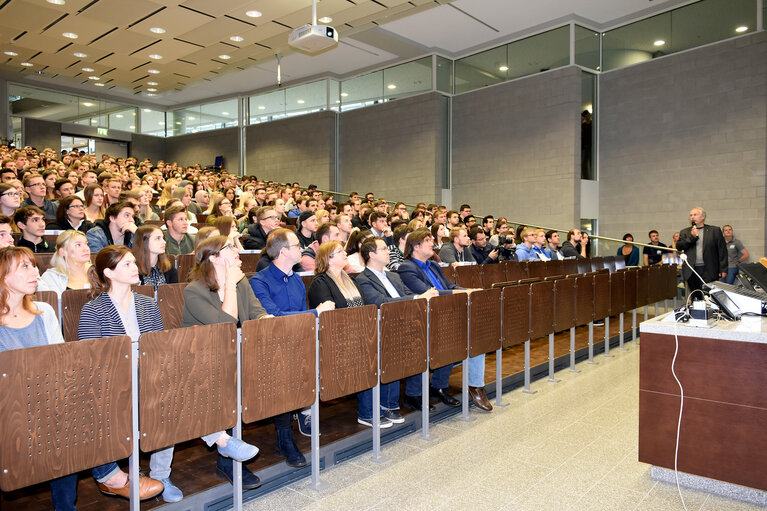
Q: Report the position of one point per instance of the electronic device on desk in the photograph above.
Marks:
(747, 301)
(753, 276)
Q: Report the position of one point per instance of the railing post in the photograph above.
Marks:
(377, 405)
(607, 337)
(527, 369)
(317, 483)
(133, 467)
(237, 431)
(620, 332)
(499, 366)
(551, 359)
(591, 343)
(572, 350)
(425, 384)
(634, 326)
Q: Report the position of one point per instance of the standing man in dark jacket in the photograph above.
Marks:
(705, 248)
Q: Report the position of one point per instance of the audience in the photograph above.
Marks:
(154, 266)
(629, 251)
(69, 264)
(116, 228)
(457, 250)
(31, 222)
(177, 238)
(10, 199)
(6, 233)
(70, 215)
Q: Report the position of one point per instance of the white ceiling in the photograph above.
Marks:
(369, 40)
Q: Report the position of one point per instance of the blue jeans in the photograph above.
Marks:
(64, 489)
(389, 399)
(439, 380)
(477, 371)
(731, 274)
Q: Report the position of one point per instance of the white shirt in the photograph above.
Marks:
(386, 282)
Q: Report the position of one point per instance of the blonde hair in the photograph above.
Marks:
(342, 280)
(58, 261)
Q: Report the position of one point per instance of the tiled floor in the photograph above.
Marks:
(572, 445)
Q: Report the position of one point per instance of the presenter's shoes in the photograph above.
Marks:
(384, 422)
(225, 470)
(414, 402)
(238, 450)
(304, 423)
(171, 493)
(393, 416)
(480, 398)
(444, 396)
(147, 488)
(286, 448)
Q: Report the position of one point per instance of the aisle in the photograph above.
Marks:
(573, 445)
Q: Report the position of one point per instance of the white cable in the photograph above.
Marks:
(681, 408)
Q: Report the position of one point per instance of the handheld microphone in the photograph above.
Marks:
(683, 257)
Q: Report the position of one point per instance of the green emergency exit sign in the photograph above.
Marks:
(103, 131)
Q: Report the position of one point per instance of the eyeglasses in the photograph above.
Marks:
(41, 183)
(337, 252)
(76, 206)
(229, 247)
(295, 245)
(270, 218)
(12, 194)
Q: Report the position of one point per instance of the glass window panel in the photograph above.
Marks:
(362, 91)
(444, 75)
(638, 42)
(267, 107)
(152, 122)
(409, 78)
(710, 20)
(539, 53)
(482, 69)
(334, 93)
(124, 120)
(184, 120)
(586, 47)
(588, 126)
(306, 98)
(221, 114)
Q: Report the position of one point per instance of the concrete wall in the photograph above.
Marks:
(147, 146)
(297, 149)
(41, 134)
(683, 131)
(516, 149)
(203, 148)
(396, 149)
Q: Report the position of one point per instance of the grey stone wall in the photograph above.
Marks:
(41, 134)
(682, 131)
(203, 148)
(516, 149)
(396, 149)
(297, 149)
(147, 146)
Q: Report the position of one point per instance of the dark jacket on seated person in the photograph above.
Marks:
(568, 250)
(418, 282)
(323, 288)
(481, 255)
(256, 239)
(374, 291)
(85, 226)
(449, 254)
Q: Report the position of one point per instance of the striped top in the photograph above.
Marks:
(99, 317)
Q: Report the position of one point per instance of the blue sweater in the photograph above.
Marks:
(280, 294)
(99, 318)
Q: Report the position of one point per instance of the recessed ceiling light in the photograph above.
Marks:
(151, 89)
(94, 78)
(741, 28)
(151, 95)
(88, 69)
(147, 110)
(503, 68)
(190, 118)
(224, 57)
(157, 30)
(27, 64)
(152, 83)
(659, 42)
(237, 38)
(94, 121)
(131, 127)
(153, 71)
(224, 113)
(178, 123)
(325, 19)
(80, 55)
(391, 86)
(70, 35)
(87, 104)
(155, 56)
(253, 14)
(161, 123)
(344, 94)
(11, 53)
(300, 101)
(261, 107)
(56, 2)
(119, 116)
(98, 84)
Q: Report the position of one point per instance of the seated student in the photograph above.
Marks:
(378, 287)
(282, 292)
(419, 274)
(219, 293)
(31, 222)
(177, 238)
(69, 265)
(306, 226)
(457, 249)
(438, 233)
(63, 188)
(204, 233)
(220, 206)
(34, 185)
(154, 267)
(116, 228)
(397, 249)
(25, 323)
(353, 245)
(6, 233)
(629, 251)
(116, 310)
(70, 215)
(10, 199)
(94, 202)
(325, 232)
(552, 246)
(539, 245)
(575, 245)
(525, 251)
(227, 226)
(480, 250)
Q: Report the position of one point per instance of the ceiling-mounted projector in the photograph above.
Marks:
(313, 38)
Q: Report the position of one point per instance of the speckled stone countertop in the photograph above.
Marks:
(747, 329)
